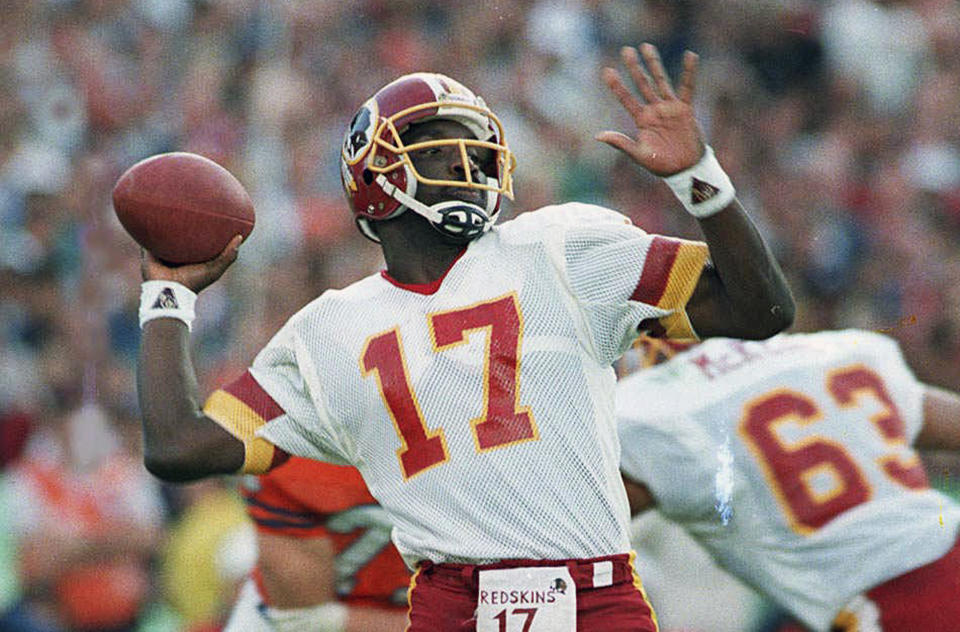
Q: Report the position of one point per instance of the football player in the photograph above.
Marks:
(793, 462)
(470, 382)
(324, 554)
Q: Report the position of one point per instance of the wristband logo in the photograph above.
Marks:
(166, 300)
(702, 191)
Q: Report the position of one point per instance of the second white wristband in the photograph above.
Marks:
(166, 299)
(705, 188)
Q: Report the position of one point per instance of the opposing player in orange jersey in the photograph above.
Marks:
(324, 556)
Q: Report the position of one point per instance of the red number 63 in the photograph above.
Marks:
(790, 467)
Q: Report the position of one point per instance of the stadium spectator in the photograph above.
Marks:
(886, 69)
(87, 521)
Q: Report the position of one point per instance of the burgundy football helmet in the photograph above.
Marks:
(379, 177)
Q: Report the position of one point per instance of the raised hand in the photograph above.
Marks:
(668, 138)
(195, 276)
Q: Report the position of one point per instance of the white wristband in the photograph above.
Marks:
(166, 299)
(704, 188)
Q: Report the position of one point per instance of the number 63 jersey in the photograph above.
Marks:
(790, 461)
(479, 409)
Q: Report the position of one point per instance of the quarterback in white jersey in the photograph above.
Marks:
(790, 461)
(470, 382)
(513, 351)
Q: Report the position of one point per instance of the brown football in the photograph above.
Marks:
(182, 207)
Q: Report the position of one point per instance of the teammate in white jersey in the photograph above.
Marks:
(791, 461)
(470, 382)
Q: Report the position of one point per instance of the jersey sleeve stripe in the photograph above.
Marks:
(684, 275)
(656, 270)
(670, 274)
(242, 421)
(671, 270)
(248, 390)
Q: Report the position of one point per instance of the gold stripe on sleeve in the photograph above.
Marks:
(684, 275)
(242, 422)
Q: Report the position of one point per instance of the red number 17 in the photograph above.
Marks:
(529, 613)
(503, 421)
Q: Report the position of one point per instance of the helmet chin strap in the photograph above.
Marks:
(462, 221)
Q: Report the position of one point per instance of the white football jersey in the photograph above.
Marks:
(790, 461)
(479, 410)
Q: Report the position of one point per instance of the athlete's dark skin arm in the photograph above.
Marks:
(743, 294)
(180, 443)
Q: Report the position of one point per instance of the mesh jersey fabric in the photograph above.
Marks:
(481, 415)
(686, 431)
(307, 499)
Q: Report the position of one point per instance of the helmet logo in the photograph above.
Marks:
(359, 136)
(347, 177)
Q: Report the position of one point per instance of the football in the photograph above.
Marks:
(181, 207)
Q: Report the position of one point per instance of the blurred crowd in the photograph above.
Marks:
(838, 121)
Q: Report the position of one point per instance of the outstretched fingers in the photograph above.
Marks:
(631, 59)
(652, 60)
(630, 103)
(689, 77)
(667, 139)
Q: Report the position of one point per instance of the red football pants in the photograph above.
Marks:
(926, 598)
(443, 597)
